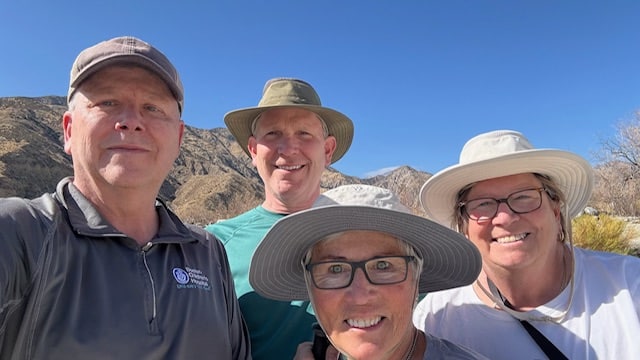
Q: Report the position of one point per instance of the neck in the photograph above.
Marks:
(141, 227)
(135, 216)
(287, 206)
(412, 348)
(495, 291)
(416, 348)
(531, 287)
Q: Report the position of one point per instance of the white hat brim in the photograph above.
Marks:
(572, 173)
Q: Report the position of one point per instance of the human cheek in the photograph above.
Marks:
(327, 308)
(263, 150)
(480, 236)
(315, 153)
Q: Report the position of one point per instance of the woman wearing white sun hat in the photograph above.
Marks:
(536, 295)
(316, 253)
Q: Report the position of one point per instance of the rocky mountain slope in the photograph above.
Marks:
(212, 178)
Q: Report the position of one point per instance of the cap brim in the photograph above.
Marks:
(339, 125)
(276, 272)
(131, 59)
(572, 173)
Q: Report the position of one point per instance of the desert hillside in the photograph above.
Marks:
(212, 178)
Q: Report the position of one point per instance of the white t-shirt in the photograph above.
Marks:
(440, 349)
(603, 321)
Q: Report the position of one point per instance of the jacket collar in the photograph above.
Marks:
(85, 219)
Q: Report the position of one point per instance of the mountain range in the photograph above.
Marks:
(212, 178)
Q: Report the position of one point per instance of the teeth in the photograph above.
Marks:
(363, 323)
(510, 239)
(290, 167)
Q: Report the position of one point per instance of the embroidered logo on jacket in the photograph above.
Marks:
(189, 278)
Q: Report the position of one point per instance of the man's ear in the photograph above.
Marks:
(181, 132)
(252, 145)
(330, 145)
(67, 122)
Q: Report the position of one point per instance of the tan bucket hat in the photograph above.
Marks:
(290, 92)
(503, 153)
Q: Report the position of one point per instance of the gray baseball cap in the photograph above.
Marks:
(125, 50)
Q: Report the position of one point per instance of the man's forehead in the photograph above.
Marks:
(288, 112)
(290, 117)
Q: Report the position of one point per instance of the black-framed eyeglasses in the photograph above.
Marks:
(520, 202)
(381, 270)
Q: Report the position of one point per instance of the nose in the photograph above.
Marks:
(504, 214)
(288, 145)
(360, 288)
(129, 119)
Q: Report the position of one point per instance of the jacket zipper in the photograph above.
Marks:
(145, 248)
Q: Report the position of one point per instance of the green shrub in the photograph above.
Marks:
(603, 233)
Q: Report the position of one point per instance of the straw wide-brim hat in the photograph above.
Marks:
(276, 271)
(288, 92)
(503, 153)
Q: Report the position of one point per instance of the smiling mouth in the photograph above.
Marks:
(511, 238)
(290, 168)
(364, 323)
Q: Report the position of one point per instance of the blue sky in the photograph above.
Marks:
(418, 78)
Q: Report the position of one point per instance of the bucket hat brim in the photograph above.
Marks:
(291, 93)
(338, 125)
(276, 271)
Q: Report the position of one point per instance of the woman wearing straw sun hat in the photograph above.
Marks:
(536, 295)
(362, 258)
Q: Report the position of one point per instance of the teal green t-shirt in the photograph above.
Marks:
(275, 327)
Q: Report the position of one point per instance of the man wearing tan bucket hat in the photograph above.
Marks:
(291, 138)
(537, 296)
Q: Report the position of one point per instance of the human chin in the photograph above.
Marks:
(125, 175)
(363, 338)
(286, 183)
(357, 348)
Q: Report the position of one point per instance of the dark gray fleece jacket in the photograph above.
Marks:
(74, 287)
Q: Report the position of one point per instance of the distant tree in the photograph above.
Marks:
(617, 188)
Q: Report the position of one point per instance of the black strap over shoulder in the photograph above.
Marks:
(552, 352)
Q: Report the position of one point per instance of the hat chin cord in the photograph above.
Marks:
(497, 298)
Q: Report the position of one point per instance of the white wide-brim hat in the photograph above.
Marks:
(503, 153)
(276, 271)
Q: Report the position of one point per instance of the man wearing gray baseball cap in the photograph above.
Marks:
(100, 268)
